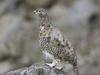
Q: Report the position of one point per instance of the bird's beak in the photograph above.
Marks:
(34, 12)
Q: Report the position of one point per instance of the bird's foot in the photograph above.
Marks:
(51, 65)
(59, 64)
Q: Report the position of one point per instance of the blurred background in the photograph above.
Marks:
(79, 20)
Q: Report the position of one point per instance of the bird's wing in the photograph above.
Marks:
(58, 39)
(58, 35)
(67, 52)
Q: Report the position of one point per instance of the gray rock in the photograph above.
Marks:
(37, 70)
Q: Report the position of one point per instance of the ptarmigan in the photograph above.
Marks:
(52, 42)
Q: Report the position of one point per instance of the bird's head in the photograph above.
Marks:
(40, 12)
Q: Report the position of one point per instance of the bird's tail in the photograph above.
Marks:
(76, 70)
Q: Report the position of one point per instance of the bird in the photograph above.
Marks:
(53, 43)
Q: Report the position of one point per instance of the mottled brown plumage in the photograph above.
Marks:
(53, 42)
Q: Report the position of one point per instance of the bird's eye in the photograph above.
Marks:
(43, 24)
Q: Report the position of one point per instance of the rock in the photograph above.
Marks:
(37, 70)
